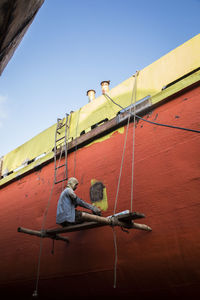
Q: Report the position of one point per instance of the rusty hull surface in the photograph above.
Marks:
(163, 263)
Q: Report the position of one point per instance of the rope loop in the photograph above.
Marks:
(114, 221)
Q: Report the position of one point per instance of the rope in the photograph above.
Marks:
(116, 258)
(124, 148)
(77, 123)
(170, 126)
(35, 293)
(115, 206)
(155, 123)
(133, 157)
(67, 130)
(134, 130)
(121, 167)
(119, 179)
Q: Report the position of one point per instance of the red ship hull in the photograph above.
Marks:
(162, 263)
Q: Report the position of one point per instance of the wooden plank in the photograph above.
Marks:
(54, 233)
(90, 225)
(76, 227)
(131, 216)
(42, 234)
(124, 220)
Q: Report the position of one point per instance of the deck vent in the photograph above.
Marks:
(91, 95)
(105, 86)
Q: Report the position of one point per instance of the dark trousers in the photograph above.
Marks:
(78, 219)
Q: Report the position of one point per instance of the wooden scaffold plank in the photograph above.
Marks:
(123, 219)
(43, 234)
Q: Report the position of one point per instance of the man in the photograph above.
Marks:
(68, 201)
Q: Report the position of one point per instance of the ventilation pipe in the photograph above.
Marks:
(91, 95)
(105, 86)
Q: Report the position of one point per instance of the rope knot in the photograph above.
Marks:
(43, 233)
(114, 221)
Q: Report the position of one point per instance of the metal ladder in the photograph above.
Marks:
(60, 143)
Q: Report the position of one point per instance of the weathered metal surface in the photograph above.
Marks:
(15, 18)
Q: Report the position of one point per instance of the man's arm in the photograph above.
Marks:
(84, 204)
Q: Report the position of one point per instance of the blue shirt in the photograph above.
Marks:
(67, 203)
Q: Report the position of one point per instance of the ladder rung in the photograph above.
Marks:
(60, 139)
(61, 145)
(61, 126)
(60, 166)
(60, 181)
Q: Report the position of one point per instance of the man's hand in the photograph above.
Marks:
(96, 211)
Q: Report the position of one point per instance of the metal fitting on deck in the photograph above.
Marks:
(105, 86)
(91, 95)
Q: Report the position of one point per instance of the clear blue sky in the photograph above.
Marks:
(72, 46)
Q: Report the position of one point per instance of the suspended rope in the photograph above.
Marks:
(35, 293)
(116, 258)
(151, 122)
(119, 178)
(134, 92)
(170, 126)
(77, 124)
(121, 166)
(124, 147)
